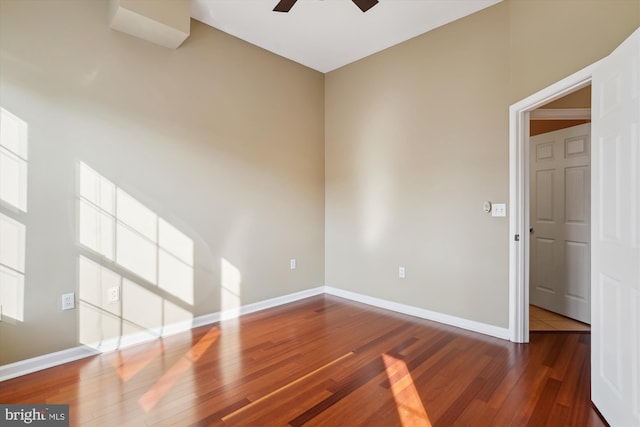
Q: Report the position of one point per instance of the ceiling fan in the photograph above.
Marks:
(286, 5)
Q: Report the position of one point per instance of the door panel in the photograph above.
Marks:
(609, 207)
(545, 278)
(610, 345)
(560, 219)
(544, 196)
(577, 263)
(576, 184)
(615, 273)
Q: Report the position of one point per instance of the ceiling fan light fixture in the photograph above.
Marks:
(365, 5)
(284, 5)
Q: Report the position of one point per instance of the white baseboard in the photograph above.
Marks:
(257, 306)
(483, 328)
(50, 360)
(207, 319)
(34, 364)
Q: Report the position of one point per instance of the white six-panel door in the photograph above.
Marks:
(560, 217)
(615, 235)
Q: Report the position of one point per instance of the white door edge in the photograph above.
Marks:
(519, 196)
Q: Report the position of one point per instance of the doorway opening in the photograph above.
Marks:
(519, 195)
(615, 237)
(559, 211)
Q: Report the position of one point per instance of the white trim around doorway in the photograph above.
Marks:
(519, 115)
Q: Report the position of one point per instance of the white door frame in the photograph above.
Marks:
(519, 196)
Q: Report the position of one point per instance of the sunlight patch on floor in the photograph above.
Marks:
(151, 398)
(128, 367)
(410, 408)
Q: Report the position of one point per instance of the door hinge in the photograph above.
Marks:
(516, 237)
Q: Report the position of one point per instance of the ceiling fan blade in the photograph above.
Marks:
(365, 5)
(285, 5)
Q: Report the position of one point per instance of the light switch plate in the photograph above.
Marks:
(499, 209)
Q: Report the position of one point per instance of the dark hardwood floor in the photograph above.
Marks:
(325, 361)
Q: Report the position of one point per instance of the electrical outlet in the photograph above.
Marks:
(292, 263)
(68, 301)
(113, 295)
(401, 273)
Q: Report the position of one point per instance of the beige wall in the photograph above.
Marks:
(578, 99)
(550, 40)
(417, 139)
(222, 140)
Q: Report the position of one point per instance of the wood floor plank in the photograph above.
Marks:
(324, 361)
(545, 403)
(477, 413)
(354, 408)
(284, 389)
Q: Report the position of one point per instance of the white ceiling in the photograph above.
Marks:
(327, 34)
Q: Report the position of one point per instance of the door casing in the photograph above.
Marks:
(519, 196)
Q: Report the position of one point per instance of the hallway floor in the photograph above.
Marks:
(543, 320)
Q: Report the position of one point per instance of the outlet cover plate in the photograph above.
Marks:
(113, 295)
(68, 301)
